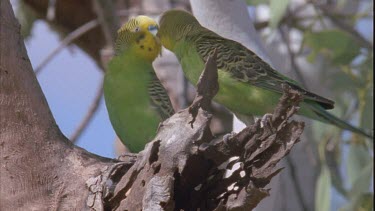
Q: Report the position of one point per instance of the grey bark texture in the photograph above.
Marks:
(39, 168)
(184, 167)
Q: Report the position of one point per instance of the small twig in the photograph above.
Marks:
(207, 87)
(66, 41)
(90, 114)
(108, 20)
(292, 57)
(128, 12)
(294, 180)
(51, 10)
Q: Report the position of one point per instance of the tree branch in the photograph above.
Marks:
(40, 169)
(108, 20)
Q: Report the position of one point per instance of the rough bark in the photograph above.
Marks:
(184, 167)
(39, 168)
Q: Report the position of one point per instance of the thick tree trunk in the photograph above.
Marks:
(184, 167)
(39, 168)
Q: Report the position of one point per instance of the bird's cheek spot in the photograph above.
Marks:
(150, 49)
(142, 47)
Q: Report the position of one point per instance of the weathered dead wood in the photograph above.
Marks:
(186, 168)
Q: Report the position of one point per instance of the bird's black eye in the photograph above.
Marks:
(137, 29)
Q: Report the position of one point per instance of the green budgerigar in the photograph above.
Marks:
(248, 85)
(136, 100)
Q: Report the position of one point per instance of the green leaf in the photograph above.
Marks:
(323, 190)
(363, 203)
(344, 82)
(335, 44)
(367, 75)
(358, 159)
(277, 11)
(256, 2)
(367, 115)
(363, 181)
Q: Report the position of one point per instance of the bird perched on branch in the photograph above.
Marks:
(136, 100)
(248, 85)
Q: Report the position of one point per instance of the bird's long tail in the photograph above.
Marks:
(327, 117)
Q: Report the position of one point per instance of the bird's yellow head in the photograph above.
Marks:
(174, 25)
(139, 36)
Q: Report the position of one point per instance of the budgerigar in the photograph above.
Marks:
(248, 85)
(136, 100)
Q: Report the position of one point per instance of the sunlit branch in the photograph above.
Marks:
(292, 57)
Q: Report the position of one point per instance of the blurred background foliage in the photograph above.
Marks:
(326, 45)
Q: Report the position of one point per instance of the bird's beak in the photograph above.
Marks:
(153, 30)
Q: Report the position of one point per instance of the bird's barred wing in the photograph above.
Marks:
(244, 65)
(159, 98)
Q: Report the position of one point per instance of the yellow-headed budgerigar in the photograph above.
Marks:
(248, 85)
(136, 100)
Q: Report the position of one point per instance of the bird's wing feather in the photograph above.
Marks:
(159, 97)
(245, 66)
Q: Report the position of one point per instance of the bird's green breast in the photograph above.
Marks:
(237, 96)
(128, 101)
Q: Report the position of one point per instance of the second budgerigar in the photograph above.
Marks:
(248, 85)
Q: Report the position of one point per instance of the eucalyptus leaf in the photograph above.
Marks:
(335, 44)
(256, 2)
(277, 11)
(365, 202)
(358, 159)
(367, 76)
(323, 190)
(363, 181)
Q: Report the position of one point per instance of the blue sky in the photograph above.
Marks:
(70, 82)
